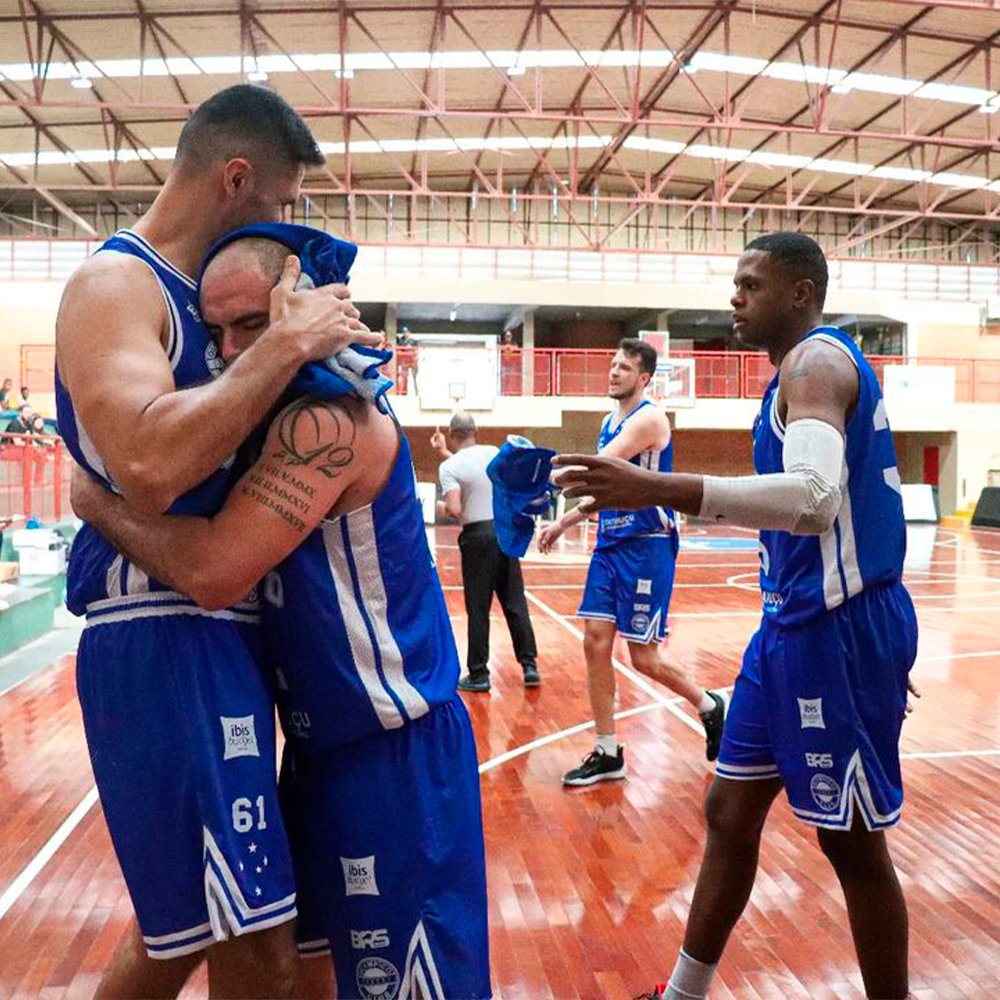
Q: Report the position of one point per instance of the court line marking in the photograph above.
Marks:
(938, 754)
(494, 762)
(34, 867)
(30, 871)
(625, 671)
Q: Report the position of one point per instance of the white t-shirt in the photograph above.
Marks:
(466, 471)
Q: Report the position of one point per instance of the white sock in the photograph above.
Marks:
(607, 743)
(706, 705)
(690, 979)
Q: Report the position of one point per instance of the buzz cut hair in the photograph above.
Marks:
(268, 255)
(633, 347)
(248, 121)
(462, 425)
(799, 256)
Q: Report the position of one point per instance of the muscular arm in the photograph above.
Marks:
(308, 462)
(157, 442)
(819, 384)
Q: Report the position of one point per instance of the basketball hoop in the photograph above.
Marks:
(457, 392)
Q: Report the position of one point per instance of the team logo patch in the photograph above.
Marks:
(811, 713)
(377, 979)
(825, 792)
(640, 623)
(213, 360)
(644, 586)
(239, 736)
(359, 877)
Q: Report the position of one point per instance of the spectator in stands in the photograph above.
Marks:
(510, 365)
(24, 394)
(8, 384)
(21, 424)
(406, 360)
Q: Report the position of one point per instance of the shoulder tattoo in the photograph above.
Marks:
(317, 434)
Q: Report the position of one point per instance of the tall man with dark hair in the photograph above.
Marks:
(379, 780)
(631, 572)
(178, 716)
(821, 696)
(486, 570)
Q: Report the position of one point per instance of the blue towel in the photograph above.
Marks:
(325, 260)
(520, 476)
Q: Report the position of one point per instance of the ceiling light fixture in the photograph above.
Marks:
(81, 82)
(257, 76)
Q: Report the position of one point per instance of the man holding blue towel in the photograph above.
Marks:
(468, 498)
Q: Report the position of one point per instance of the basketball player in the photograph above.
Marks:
(178, 717)
(821, 696)
(631, 573)
(380, 779)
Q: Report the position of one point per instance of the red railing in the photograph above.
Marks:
(34, 478)
(717, 374)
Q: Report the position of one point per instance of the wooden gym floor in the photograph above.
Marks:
(589, 888)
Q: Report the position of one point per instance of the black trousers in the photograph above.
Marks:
(487, 571)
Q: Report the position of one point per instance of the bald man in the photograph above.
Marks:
(379, 782)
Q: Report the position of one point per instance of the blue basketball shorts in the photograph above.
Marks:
(387, 836)
(180, 726)
(630, 583)
(821, 707)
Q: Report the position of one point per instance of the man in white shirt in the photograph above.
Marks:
(468, 497)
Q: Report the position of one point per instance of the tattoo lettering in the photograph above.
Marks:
(276, 505)
(317, 434)
(803, 372)
(265, 482)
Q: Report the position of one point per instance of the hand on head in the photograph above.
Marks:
(323, 320)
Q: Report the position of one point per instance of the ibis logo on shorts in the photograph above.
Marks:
(811, 713)
(240, 739)
(825, 792)
(359, 876)
(377, 979)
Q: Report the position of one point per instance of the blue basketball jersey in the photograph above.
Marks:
(804, 576)
(379, 650)
(97, 571)
(615, 526)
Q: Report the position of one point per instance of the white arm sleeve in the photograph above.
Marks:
(803, 500)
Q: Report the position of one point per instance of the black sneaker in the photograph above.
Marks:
(475, 682)
(532, 678)
(597, 766)
(713, 722)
